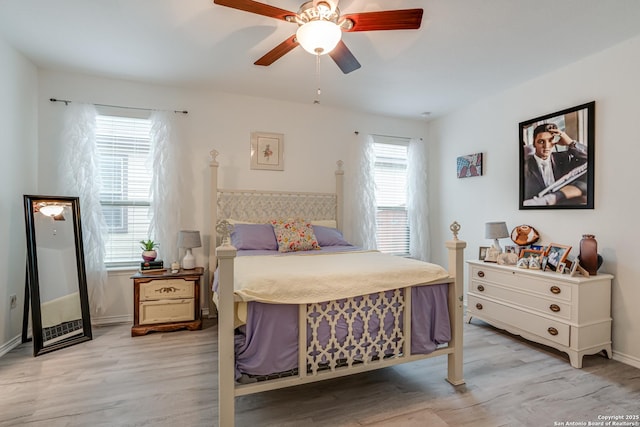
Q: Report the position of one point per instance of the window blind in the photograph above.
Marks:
(124, 145)
(391, 195)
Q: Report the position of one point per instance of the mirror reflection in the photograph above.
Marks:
(56, 275)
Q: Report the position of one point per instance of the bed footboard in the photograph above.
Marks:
(334, 365)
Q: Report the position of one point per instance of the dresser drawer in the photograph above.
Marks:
(549, 329)
(166, 289)
(164, 311)
(551, 305)
(543, 285)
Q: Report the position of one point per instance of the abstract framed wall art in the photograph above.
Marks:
(469, 165)
(557, 159)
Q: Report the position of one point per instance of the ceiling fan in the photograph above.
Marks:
(320, 27)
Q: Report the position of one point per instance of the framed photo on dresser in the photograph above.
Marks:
(556, 254)
(527, 253)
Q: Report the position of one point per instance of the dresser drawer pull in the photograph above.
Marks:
(552, 331)
(480, 288)
(480, 273)
(167, 289)
(554, 307)
(479, 306)
(555, 290)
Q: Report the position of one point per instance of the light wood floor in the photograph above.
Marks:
(169, 379)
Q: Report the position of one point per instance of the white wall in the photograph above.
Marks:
(315, 137)
(491, 126)
(18, 174)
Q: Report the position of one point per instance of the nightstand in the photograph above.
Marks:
(166, 301)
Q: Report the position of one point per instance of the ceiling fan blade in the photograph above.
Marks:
(277, 52)
(407, 19)
(258, 8)
(342, 56)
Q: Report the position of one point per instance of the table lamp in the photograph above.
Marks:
(496, 230)
(189, 239)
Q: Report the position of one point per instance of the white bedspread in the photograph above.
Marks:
(60, 310)
(312, 277)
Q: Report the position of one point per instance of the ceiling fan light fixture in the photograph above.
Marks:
(319, 37)
(51, 210)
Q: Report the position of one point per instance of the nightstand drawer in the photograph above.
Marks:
(545, 286)
(164, 311)
(543, 327)
(551, 306)
(166, 289)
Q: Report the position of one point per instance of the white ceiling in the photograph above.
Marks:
(465, 49)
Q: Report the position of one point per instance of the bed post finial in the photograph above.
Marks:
(339, 163)
(224, 229)
(454, 227)
(213, 154)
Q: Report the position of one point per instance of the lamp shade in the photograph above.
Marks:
(496, 230)
(189, 239)
(318, 37)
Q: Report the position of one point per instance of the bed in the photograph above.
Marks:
(350, 310)
(61, 318)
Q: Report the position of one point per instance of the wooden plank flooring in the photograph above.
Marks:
(169, 379)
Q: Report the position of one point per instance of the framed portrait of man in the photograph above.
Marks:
(557, 159)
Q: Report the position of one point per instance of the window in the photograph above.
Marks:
(390, 173)
(124, 145)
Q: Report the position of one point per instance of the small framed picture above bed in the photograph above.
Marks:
(267, 151)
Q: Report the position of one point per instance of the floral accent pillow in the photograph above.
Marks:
(294, 235)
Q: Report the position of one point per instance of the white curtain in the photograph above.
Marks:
(417, 206)
(80, 176)
(165, 185)
(364, 192)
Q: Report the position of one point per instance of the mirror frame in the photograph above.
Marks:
(33, 277)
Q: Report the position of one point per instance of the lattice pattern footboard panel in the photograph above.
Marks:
(364, 329)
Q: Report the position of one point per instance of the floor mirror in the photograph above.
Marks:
(56, 277)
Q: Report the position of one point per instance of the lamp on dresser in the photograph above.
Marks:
(189, 239)
(495, 230)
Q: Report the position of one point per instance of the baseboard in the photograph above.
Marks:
(8, 346)
(111, 320)
(626, 359)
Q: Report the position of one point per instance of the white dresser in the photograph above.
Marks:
(571, 314)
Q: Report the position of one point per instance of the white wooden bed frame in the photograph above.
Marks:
(259, 206)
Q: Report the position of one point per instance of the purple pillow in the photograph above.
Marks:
(328, 236)
(254, 236)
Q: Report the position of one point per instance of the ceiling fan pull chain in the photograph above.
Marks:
(318, 91)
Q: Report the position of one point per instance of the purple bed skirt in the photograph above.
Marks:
(268, 343)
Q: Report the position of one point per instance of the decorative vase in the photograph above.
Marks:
(149, 255)
(589, 254)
